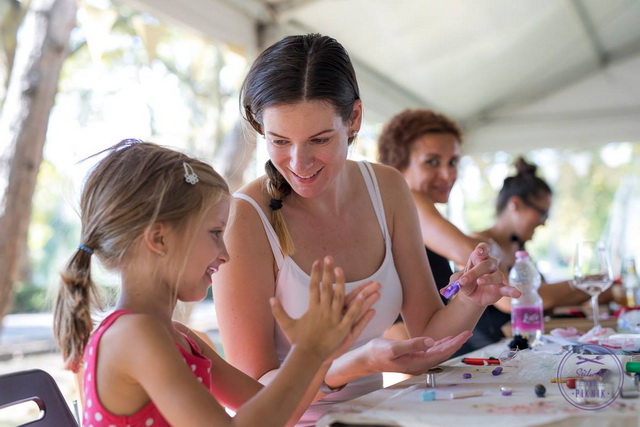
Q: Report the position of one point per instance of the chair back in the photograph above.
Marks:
(38, 386)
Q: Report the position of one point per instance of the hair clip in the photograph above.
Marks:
(189, 174)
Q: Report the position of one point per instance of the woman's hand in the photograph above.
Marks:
(413, 356)
(332, 321)
(482, 282)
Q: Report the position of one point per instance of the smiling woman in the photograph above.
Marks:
(425, 147)
(309, 156)
(301, 94)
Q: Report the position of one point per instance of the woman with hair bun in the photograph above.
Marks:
(523, 205)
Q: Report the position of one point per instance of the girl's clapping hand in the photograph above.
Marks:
(332, 321)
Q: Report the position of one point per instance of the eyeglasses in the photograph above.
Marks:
(544, 213)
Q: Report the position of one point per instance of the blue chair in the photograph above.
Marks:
(38, 386)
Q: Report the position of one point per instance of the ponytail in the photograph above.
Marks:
(75, 301)
(278, 188)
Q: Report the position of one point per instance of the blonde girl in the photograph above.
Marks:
(157, 217)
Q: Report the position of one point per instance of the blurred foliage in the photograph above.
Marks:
(29, 299)
(128, 75)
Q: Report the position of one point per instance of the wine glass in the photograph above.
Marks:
(592, 273)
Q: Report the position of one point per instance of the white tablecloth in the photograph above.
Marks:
(401, 404)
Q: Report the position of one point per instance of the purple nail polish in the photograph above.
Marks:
(451, 289)
(466, 375)
(497, 371)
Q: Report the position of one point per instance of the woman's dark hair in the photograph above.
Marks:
(295, 69)
(525, 184)
(394, 143)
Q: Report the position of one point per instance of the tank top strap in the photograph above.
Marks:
(376, 198)
(274, 242)
(112, 318)
(192, 344)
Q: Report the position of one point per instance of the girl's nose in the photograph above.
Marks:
(223, 255)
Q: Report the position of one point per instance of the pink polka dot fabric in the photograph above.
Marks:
(96, 415)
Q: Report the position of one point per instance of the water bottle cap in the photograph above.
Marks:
(522, 254)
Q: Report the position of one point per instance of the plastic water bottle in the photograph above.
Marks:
(631, 282)
(526, 312)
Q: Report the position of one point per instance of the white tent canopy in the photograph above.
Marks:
(518, 74)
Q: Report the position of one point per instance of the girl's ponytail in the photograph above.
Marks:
(76, 299)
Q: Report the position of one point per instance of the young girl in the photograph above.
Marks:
(157, 217)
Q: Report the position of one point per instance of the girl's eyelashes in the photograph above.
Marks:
(216, 232)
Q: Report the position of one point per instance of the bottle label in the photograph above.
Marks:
(527, 318)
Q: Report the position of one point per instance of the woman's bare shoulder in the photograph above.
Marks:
(385, 173)
(255, 189)
(391, 182)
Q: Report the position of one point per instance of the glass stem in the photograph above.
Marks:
(595, 310)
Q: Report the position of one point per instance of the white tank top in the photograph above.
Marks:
(292, 289)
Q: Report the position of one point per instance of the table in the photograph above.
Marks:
(401, 404)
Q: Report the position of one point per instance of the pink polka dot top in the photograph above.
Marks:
(96, 415)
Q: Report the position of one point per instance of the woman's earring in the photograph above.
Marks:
(163, 253)
(354, 134)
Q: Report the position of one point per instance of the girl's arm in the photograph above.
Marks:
(223, 374)
(168, 382)
(440, 235)
(145, 354)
